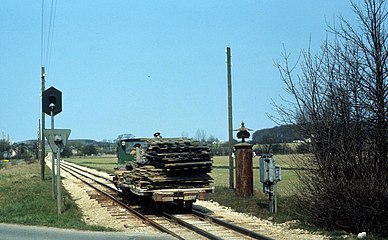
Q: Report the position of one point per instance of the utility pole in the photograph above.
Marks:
(39, 142)
(42, 144)
(230, 119)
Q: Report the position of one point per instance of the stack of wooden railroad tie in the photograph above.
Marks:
(174, 164)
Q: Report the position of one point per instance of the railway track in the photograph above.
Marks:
(173, 220)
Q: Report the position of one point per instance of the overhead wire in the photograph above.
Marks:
(42, 36)
(47, 35)
(51, 31)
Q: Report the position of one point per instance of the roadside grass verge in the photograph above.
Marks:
(25, 199)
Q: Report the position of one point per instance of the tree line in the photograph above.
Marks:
(272, 139)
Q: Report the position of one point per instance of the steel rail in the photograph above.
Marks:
(169, 216)
(133, 211)
(201, 215)
(96, 175)
(231, 226)
(99, 182)
(191, 227)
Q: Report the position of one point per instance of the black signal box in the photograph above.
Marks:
(52, 101)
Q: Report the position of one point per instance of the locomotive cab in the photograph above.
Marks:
(129, 152)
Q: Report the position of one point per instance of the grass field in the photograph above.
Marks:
(25, 199)
(104, 163)
(220, 172)
(256, 205)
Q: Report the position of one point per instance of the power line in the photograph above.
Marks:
(45, 59)
(47, 34)
(50, 36)
(41, 36)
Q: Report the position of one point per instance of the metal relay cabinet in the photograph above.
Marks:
(270, 174)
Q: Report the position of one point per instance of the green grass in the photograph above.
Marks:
(286, 187)
(256, 205)
(25, 199)
(220, 172)
(285, 161)
(104, 163)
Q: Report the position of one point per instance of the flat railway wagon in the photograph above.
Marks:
(163, 169)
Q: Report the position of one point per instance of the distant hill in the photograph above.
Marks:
(278, 134)
(83, 141)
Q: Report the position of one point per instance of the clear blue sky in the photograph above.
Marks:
(144, 66)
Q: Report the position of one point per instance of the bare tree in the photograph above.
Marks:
(341, 104)
(200, 135)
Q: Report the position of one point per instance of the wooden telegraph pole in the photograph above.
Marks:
(42, 139)
(230, 119)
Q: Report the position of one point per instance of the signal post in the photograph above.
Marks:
(57, 138)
